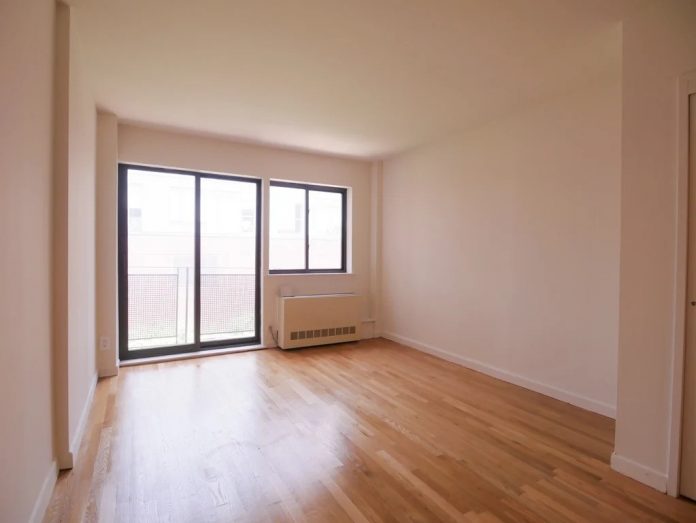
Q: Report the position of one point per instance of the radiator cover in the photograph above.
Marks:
(305, 321)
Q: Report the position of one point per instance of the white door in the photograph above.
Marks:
(688, 459)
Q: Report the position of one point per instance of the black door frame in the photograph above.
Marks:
(197, 345)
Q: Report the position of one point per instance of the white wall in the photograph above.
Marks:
(81, 240)
(659, 45)
(107, 243)
(74, 370)
(148, 146)
(26, 453)
(501, 246)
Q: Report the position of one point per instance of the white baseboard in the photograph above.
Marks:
(44, 498)
(641, 473)
(82, 423)
(569, 397)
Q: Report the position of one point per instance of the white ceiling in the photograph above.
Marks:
(365, 78)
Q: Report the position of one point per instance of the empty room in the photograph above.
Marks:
(361, 261)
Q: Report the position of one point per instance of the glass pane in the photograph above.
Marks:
(287, 229)
(228, 259)
(161, 218)
(325, 229)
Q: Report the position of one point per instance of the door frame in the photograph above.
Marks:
(197, 346)
(686, 88)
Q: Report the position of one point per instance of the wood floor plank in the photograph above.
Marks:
(369, 431)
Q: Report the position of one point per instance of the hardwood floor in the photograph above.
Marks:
(359, 432)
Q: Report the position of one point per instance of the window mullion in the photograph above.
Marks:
(306, 229)
(197, 265)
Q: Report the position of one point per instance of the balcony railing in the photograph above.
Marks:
(160, 306)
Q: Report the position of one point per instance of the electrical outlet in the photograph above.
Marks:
(104, 343)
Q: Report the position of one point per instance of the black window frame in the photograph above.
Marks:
(197, 346)
(307, 187)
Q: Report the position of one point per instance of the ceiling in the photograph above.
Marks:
(363, 78)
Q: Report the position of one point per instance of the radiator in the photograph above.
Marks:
(304, 321)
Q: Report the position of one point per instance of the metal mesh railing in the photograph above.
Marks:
(228, 303)
(159, 306)
(152, 306)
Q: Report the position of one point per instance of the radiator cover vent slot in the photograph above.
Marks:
(322, 333)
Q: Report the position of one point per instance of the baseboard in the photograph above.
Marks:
(44, 497)
(641, 473)
(82, 424)
(563, 395)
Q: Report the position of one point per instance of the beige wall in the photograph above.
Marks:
(61, 135)
(74, 241)
(107, 243)
(500, 247)
(187, 151)
(26, 454)
(81, 240)
(659, 45)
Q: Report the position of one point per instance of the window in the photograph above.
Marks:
(307, 228)
(135, 219)
(189, 261)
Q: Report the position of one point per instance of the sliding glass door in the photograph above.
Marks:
(228, 260)
(189, 248)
